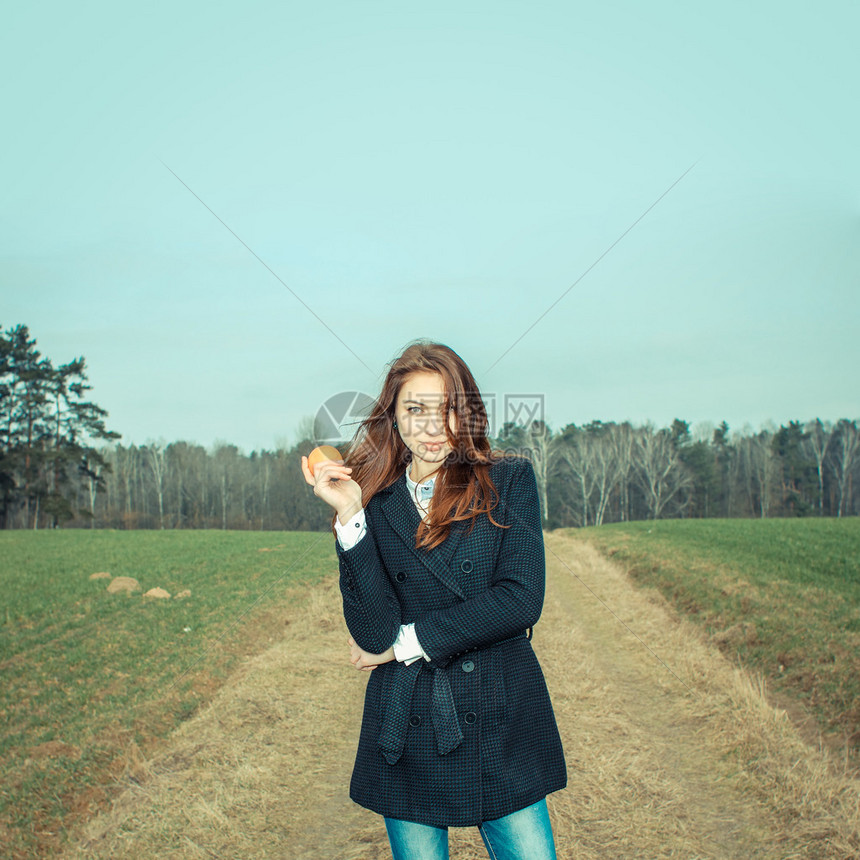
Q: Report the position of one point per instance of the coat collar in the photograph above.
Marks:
(400, 511)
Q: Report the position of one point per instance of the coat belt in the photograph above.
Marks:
(397, 692)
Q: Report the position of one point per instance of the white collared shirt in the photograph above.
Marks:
(407, 648)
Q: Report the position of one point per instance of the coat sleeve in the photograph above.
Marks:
(514, 601)
(370, 606)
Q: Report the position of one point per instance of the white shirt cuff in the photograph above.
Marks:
(407, 648)
(352, 531)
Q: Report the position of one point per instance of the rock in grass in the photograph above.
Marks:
(102, 574)
(186, 592)
(123, 584)
(157, 592)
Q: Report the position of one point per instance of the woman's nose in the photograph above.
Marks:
(433, 426)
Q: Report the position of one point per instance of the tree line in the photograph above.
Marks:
(60, 465)
(615, 472)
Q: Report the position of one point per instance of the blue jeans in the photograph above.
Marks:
(523, 835)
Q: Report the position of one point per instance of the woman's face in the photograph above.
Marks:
(421, 421)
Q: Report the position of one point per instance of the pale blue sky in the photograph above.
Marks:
(445, 171)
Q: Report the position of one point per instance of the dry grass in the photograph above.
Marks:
(687, 761)
(249, 774)
(724, 773)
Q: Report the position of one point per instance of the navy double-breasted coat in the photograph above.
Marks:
(469, 736)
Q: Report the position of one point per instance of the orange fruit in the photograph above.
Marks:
(324, 452)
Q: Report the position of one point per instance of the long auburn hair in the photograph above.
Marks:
(378, 456)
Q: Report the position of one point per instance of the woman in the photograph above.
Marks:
(441, 559)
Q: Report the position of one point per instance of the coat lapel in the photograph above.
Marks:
(401, 513)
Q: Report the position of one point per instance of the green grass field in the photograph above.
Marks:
(88, 675)
(783, 596)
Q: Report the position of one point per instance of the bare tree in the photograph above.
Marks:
(155, 459)
(765, 467)
(539, 441)
(660, 471)
(226, 460)
(599, 467)
(621, 437)
(124, 459)
(845, 452)
(573, 454)
(265, 476)
(611, 462)
(598, 457)
(819, 437)
(94, 482)
(760, 471)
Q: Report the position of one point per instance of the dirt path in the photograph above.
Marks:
(650, 717)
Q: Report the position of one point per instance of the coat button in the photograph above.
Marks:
(415, 721)
(466, 566)
(401, 577)
(468, 666)
(470, 718)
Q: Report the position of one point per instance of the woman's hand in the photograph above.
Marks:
(365, 661)
(332, 483)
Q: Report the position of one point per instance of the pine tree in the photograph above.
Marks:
(46, 429)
